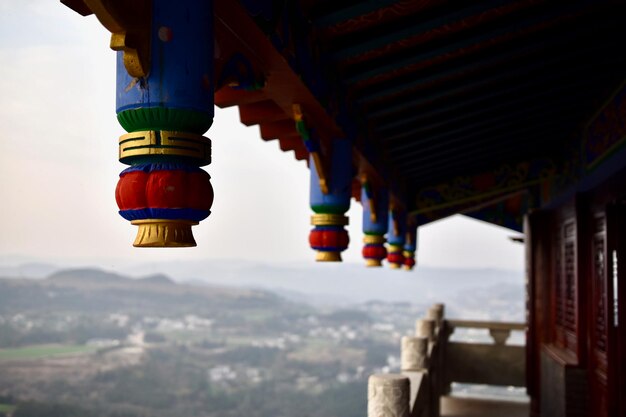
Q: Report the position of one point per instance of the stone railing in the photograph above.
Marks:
(485, 363)
(430, 362)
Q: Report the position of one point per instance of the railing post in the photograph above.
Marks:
(425, 328)
(388, 396)
(414, 354)
(436, 313)
(500, 336)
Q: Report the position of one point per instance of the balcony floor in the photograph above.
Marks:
(472, 407)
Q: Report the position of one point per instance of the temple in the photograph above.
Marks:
(508, 111)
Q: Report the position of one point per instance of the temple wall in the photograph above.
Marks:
(575, 356)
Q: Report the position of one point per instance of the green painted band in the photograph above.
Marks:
(164, 118)
(328, 209)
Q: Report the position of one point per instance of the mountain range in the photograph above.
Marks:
(319, 284)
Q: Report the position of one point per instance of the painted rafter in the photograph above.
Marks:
(470, 192)
(441, 25)
(394, 67)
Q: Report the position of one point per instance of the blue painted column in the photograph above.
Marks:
(166, 112)
(375, 223)
(328, 237)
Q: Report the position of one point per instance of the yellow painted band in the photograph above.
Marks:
(395, 248)
(373, 239)
(328, 256)
(153, 142)
(329, 220)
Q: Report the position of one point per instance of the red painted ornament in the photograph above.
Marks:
(374, 252)
(331, 239)
(164, 189)
(201, 195)
(167, 189)
(130, 191)
(395, 258)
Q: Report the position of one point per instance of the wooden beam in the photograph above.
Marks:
(540, 50)
(363, 43)
(503, 34)
(463, 193)
(399, 142)
(351, 12)
(488, 102)
(280, 129)
(447, 147)
(229, 97)
(524, 73)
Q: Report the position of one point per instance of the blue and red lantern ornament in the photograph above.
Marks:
(396, 237)
(330, 199)
(165, 103)
(375, 223)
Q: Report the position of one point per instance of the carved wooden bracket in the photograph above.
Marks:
(312, 146)
(129, 23)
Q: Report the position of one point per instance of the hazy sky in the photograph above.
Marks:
(59, 168)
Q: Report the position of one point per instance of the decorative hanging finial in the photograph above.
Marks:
(375, 223)
(329, 238)
(166, 107)
(410, 247)
(396, 236)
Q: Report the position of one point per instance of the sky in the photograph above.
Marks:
(59, 167)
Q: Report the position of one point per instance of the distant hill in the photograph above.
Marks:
(83, 275)
(218, 281)
(96, 290)
(158, 279)
(95, 275)
(337, 284)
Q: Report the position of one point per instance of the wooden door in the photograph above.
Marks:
(606, 367)
(615, 391)
(599, 325)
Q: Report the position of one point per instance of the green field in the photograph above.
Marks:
(6, 408)
(43, 351)
(258, 315)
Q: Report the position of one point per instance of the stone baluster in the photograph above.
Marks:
(438, 388)
(425, 328)
(414, 354)
(388, 396)
(500, 336)
(436, 313)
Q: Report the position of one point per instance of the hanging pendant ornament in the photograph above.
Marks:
(410, 246)
(166, 109)
(375, 223)
(328, 237)
(396, 236)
